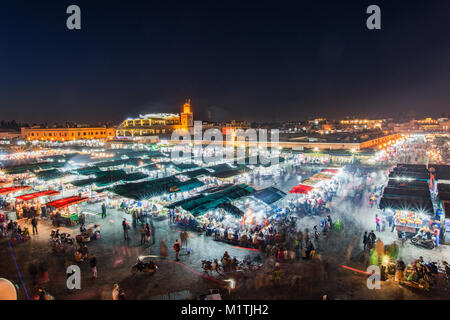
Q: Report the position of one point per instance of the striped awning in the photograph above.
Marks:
(301, 189)
(13, 189)
(65, 202)
(31, 196)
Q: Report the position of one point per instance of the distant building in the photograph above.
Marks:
(444, 126)
(67, 134)
(362, 124)
(9, 135)
(157, 123)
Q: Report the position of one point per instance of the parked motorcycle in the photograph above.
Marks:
(144, 266)
(60, 242)
(424, 243)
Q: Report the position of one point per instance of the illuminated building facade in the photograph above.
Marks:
(157, 123)
(67, 134)
(362, 123)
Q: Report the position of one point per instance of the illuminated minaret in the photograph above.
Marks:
(187, 117)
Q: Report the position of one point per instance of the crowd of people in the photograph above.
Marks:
(317, 201)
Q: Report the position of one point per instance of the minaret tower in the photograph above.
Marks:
(187, 117)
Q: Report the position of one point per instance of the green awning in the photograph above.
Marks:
(145, 190)
(50, 174)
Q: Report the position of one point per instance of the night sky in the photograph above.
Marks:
(248, 60)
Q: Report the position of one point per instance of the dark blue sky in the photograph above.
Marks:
(237, 59)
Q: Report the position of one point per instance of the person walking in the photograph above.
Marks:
(393, 225)
(143, 234)
(372, 237)
(400, 268)
(147, 232)
(330, 222)
(365, 240)
(115, 292)
(134, 217)
(3, 232)
(103, 210)
(152, 231)
(125, 227)
(390, 219)
(93, 265)
(177, 248)
(34, 223)
(163, 249)
(377, 222)
(184, 236)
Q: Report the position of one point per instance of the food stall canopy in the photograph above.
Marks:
(332, 171)
(31, 167)
(186, 185)
(146, 189)
(301, 189)
(183, 166)
(412, 167)
(65, 202)
(320, 176)
(446, 207)
(141, 153)
(220, 167)
(441, 171)
(401, 170)
(231, 209)
(135, 162)
(269, 195)
(179, 203)
(311, 182)
(199, 205)
(408, 204)
(13, 189)
(34, 195)
(260, 161)
(150, 167)
(231, 172)
(51, 174)
(105, 178)
(267, 162)
(407, 192)
(416, 184)
(424, 176)
(197, 173)
(217, 188)
(86, 171)
(443, 191)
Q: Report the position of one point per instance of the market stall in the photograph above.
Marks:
(32, 204)
(9, 190)
(301, 189)
(64, 209)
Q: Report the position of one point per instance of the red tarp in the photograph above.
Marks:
(60, 203)
(34, 195)
(334, 171)
(13, 189)
(301, 188)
